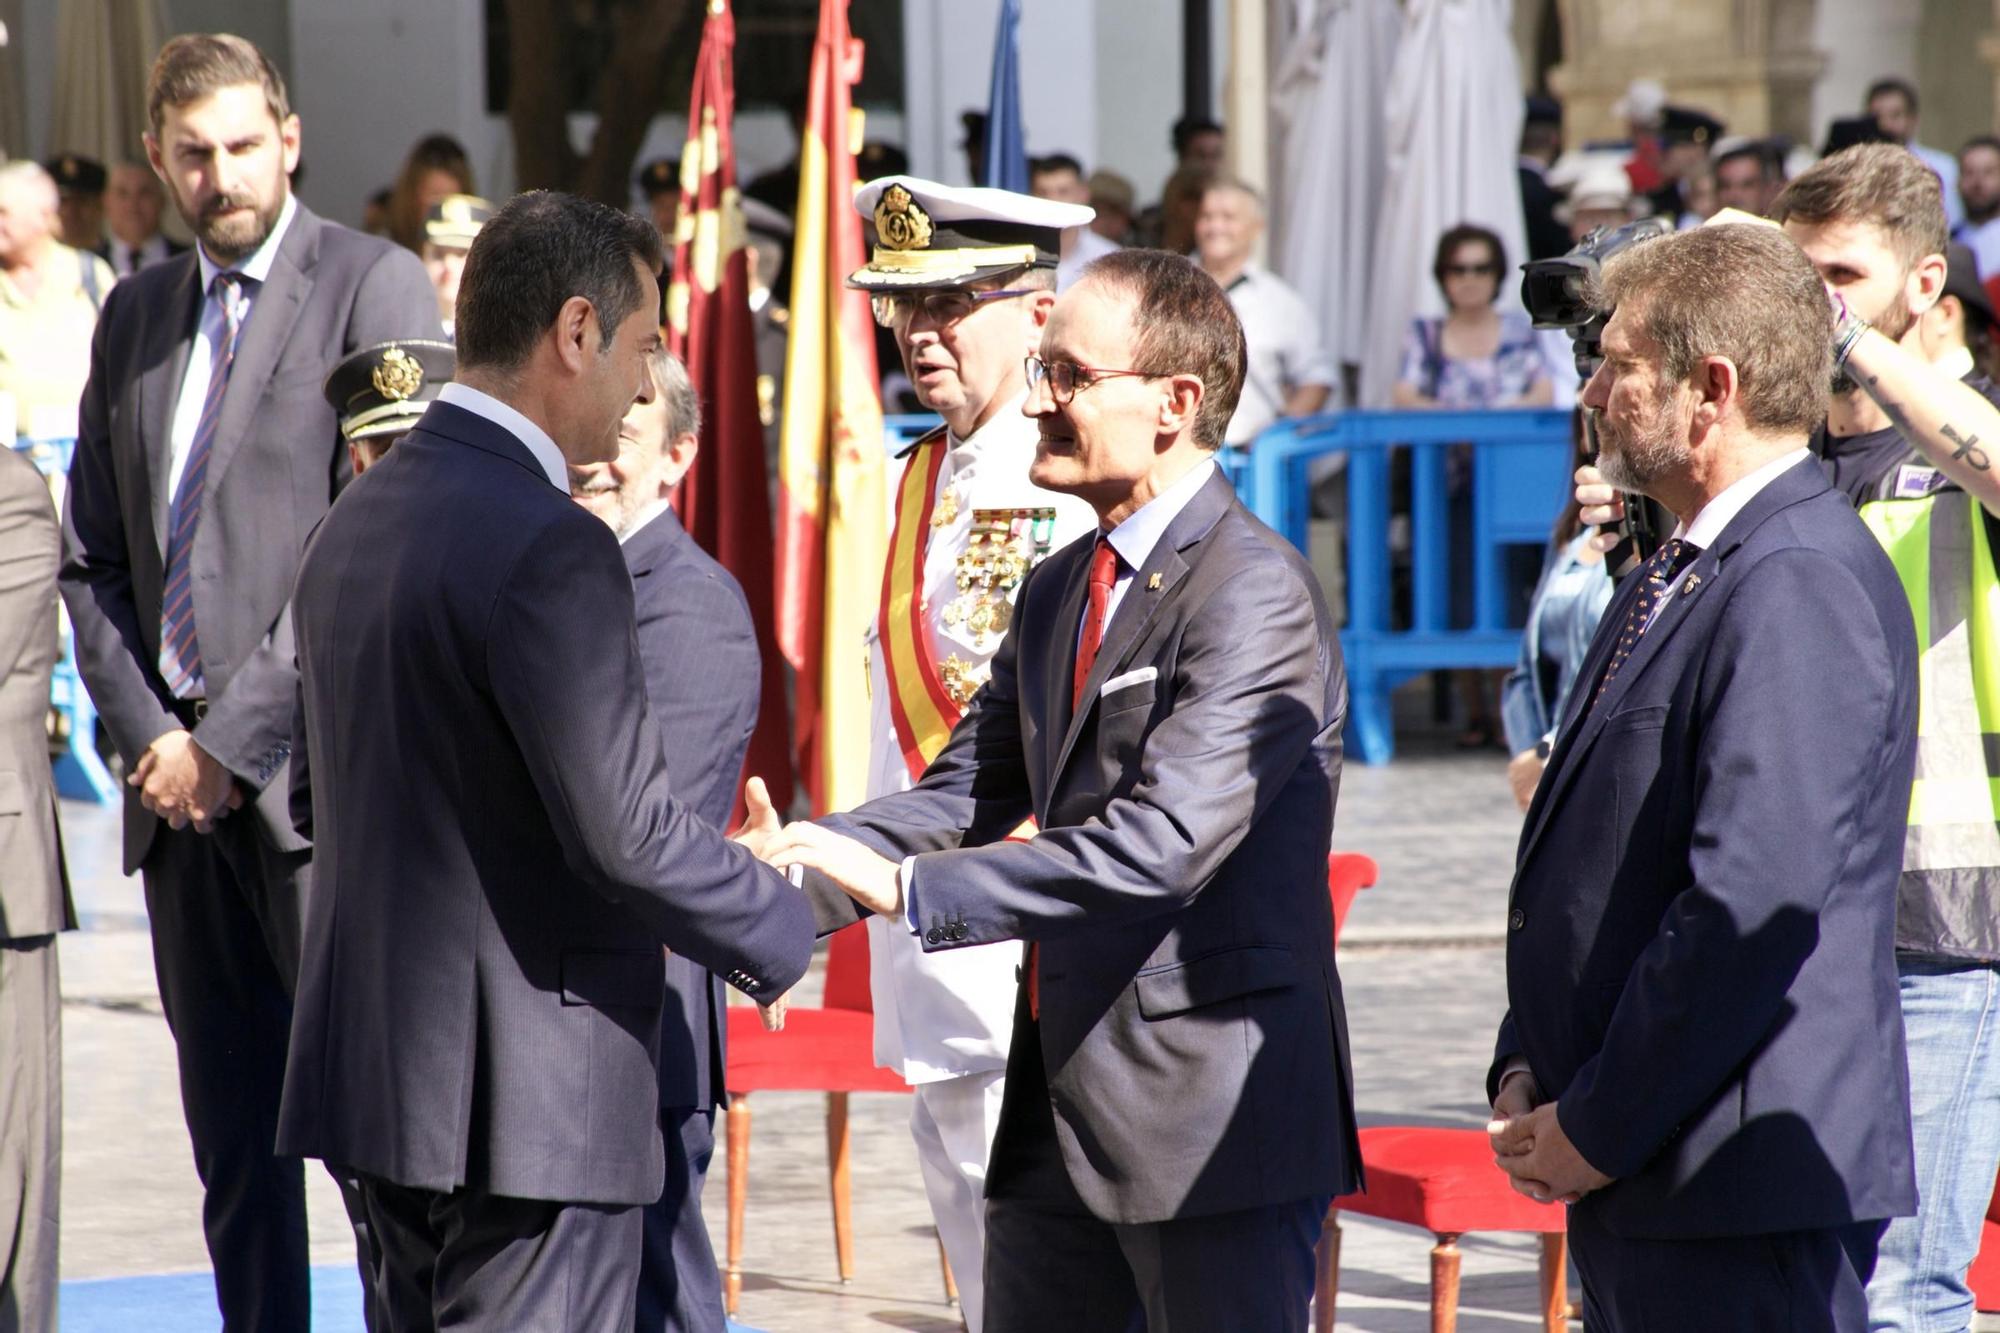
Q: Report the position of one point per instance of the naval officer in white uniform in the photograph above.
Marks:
(965, 279)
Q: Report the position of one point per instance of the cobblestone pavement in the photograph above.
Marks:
(1421, 962)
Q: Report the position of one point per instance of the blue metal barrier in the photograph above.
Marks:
(1520, 471)
(80, 773)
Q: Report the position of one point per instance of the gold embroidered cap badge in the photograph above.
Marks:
(900, 222)
(399, 376)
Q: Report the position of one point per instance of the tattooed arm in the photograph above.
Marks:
(1947, 420)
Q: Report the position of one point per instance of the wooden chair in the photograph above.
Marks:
(1444, 1181)
(830, 1049)
(1441, 1179)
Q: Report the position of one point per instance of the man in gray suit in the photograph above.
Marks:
(501, 849)
(205, 454)
(34, 905)
(1167, 705)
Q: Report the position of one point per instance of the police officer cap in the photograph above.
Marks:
(1682, 124)
(455, 219)
(930, 235)
(382, 390)
(660, 176)
(77, 175)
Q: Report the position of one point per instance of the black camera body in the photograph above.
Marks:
(1560, 293)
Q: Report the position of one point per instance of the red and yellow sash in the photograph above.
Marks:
(923, 712)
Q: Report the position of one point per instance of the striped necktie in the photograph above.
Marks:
(180, 648)
(1656, 580)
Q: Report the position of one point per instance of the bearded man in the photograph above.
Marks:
(205, 455)
(1704, 903)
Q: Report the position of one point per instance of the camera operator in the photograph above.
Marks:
(1913, 444)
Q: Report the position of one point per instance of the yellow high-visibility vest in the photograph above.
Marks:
(1951, 857)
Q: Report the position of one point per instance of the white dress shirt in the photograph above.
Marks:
(1284, 350)
(1716, 515)
(255, 271)
(1135, 538)
(527, 432)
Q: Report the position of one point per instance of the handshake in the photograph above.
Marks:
(866, 876)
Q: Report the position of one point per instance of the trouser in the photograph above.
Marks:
(225, 909)
(1951, 1024)
(1051, 1264)
(952, 1121)
(30, 1132)
(1798, 1281)
(474, 1262)
(680, 1287)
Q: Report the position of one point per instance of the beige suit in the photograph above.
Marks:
(34, 904)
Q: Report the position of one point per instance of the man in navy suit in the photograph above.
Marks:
(205, 454)
(1703, 1050)
(500, 850)
(699, 649)
(1167, 705)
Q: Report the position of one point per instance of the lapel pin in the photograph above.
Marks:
(1153, 583)
(1693, 582)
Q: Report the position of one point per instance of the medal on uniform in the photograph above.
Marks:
(1002, 547)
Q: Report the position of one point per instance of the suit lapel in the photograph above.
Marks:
(172, 342)
(1062, 648)
(1583, 730)
(1152, 588)
(1800, 482)
(263, 339)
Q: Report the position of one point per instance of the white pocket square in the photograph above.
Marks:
(1128, 680)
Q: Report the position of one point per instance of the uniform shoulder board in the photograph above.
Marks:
(935, 433)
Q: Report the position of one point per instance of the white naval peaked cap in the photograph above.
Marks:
(925, 234)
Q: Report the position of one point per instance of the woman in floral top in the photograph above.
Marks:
(1475, 357)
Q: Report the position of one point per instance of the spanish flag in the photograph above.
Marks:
(831, 536)
(725, 499)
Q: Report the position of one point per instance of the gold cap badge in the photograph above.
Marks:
(900, 222)
(399, 376)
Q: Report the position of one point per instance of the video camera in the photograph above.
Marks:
(1560, 294)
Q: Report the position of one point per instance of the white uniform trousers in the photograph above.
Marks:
(953, 1121)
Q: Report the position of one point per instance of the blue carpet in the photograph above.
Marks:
(185, 1303)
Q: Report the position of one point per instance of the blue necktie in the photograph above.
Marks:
(180, 648)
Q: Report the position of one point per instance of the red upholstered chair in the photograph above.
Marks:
(1347, 873)
(1443, 1180)
(830, 1049)
(1984, 1275)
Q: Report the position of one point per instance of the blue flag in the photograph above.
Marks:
(1006, 147)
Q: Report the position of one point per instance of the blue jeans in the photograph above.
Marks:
(1951, 1019)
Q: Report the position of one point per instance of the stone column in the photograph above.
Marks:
(1748, 62)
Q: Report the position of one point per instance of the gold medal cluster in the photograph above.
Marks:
(1003, 546)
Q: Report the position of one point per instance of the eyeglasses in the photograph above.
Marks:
(1470, 270)
(895, 309)
(1067, 379)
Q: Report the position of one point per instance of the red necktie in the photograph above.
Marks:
(1103, 574)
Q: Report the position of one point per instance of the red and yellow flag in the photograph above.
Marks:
(830, 467)
(725, 499)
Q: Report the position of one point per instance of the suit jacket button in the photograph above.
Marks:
(1516, 919)
(933, 936)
